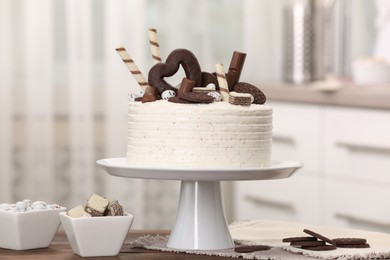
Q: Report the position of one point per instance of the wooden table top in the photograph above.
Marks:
(60, 249)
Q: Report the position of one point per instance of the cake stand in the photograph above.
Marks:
(200, 221)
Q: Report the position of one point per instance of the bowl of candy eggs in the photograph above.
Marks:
(28, 225)
(97, 228)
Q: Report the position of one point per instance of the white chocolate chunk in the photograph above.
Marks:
(78, 212)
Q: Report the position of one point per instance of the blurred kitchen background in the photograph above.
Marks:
(323, 64)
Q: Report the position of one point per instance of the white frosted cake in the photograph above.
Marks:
(216, 135)
(210, 120)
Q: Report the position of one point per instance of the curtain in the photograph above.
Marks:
(64, 93)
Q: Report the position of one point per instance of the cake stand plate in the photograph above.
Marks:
(200, 221)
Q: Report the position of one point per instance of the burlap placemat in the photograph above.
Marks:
(271, 233)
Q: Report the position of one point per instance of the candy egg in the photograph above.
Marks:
(4, 206)
(132, 96)
(38, 207)
(21, 206)
(53, 206)
(168, 94)
(217, 96)
(211, 86)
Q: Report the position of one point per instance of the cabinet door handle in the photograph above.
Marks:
(364, 148)
(283, 139)
(286, 206)
(362, 221)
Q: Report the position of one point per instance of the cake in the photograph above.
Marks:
(209, 121)
(216, 135)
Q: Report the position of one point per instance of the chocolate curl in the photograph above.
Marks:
(129, 62)
(154, 46)
(223, 85)
(150, 95)
(235, 69)
(186, 86)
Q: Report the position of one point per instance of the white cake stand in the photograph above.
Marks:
(200, 221)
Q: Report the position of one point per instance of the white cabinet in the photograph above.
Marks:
(356, 204)
(346, 177)
(296, 134)
(357, 144)
(293, 199)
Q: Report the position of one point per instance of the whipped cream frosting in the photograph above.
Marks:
(162, 134)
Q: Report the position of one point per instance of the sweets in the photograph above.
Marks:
(133, 68)
(240, 99)
(97, 206)
(235, 69)
(222, 82)
(27, 205)
(258, 95)
(186, 125)
(250, 248)
(178, 57)
(154, 46)
(318, 242)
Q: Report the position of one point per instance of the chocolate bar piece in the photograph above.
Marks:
(235, 69)
(186, 86)
(150, 95)
(78, 212)
(240, 99)
(114, 209)
(96, 205)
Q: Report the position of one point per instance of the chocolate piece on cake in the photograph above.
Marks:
(235, 69)
(197, 97)
(114, 209)
(240, 99)
(96, 205)
(150, 95)
(183, 57)
(208, 78)
(243, 87)
(78, 212)
(186, 86)
(179, 100)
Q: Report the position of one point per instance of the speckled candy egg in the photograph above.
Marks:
(217, 96)
(168, 94)
(132, 96)
(211, 86)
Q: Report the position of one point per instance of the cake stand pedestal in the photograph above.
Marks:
(200, 221)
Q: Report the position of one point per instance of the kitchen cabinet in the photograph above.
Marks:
(346, 178)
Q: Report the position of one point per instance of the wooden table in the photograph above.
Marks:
(60, 249)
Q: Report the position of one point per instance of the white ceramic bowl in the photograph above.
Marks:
(28, 230)
(370, 72)
(96, 236)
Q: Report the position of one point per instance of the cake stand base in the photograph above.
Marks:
(200, 221)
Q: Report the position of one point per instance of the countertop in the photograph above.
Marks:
(60, 249)
(325, 93)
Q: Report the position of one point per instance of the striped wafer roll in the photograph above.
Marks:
(132, 67)
(223, 85)
(154, 46)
